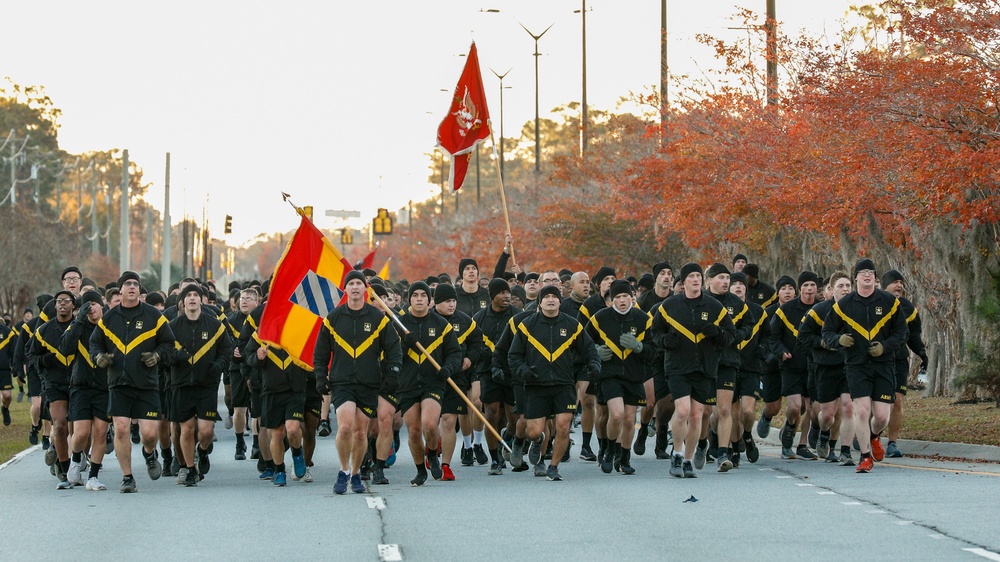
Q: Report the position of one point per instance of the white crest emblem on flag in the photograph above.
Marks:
(467, 115)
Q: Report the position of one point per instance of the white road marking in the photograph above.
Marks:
(805, 485)
(376, 502)
(936, 536)
(783, 477)
(827, 493)
(875, 511)
(904, 522)
(851, 503)
(984, 553)
(389, 552)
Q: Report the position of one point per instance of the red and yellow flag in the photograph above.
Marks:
(307, 284)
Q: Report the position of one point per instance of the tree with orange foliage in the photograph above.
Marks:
(888, 153)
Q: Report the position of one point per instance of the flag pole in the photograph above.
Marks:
(503, 196)
(288, 199)
(437, 366)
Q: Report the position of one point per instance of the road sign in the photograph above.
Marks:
(341, 214)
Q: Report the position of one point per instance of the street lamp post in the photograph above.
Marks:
(501, 77)
(538, 146)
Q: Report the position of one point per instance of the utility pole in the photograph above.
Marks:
(583, 118)
(166, 255)
(664, 71)
(150, 234)
(204, 241)
(186, 242)
(771, 26)
(441, 175)
(123, 258)
(95, 243)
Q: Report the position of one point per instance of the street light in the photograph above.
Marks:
(502, 88)
(538, 146)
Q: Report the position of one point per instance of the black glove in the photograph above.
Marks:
(530, 374)
(49, 360)
(710, 330)
(390, 382)
(669, 340)
(595, 370)
(182, 355)
(322, 385)
(498, 376)
(924, 361)
(411, 340)
(81, 315)
(445, 373)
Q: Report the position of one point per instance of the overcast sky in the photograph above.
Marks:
(336, 103)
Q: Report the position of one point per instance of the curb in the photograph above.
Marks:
(913, 447)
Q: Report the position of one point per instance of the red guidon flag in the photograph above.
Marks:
(468, 120)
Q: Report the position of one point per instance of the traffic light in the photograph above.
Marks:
(382, 223)
(229, 224)
(346, 236)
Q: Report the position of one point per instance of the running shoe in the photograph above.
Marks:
(480, 454)
(340, 487)
(128, 485)
(357, 486)
(94, 485)
(552, 473)
(878, 452)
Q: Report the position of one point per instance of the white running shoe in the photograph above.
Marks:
(74, 474)
(94, 484)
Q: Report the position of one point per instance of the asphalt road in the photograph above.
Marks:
(906, 509)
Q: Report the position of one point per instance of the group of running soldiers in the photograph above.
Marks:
(530, 352)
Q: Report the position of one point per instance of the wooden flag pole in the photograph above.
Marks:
(503, 197)
(437, 366)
